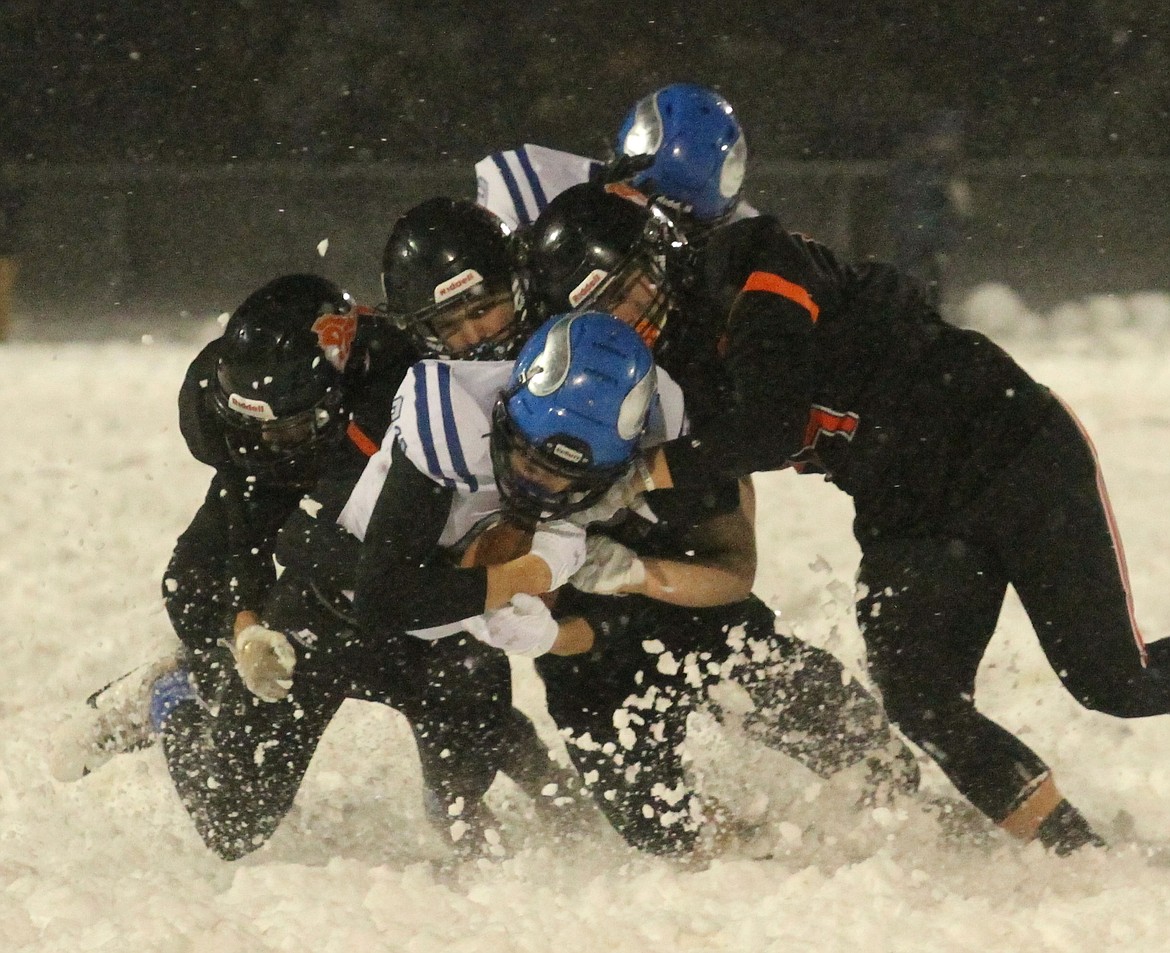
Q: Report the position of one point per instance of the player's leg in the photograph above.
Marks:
(237, 764)
(809, 708)
(467, 730)
(1056, 536)
(928, 611)
(195, 591)
(624, 722)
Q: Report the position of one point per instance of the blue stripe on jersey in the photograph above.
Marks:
(522, 215)
(423, 417)
(533, 178)
(451, 430)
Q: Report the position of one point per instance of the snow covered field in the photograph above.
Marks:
(95, 485)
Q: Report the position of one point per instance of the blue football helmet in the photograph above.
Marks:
(696, 148)
(570, 421)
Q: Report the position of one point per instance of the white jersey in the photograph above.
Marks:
(442, 422)
(517, 184)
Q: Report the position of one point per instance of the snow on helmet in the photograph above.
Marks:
(280, 375)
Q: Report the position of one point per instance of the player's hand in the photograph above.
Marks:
(561, 545)
(265, 660)
(609, 567)
(523, 627)
(625, 494)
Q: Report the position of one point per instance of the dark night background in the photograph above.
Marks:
(140, 89)
(359, 80)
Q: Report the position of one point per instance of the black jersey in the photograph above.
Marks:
(790, 357)
(251, 511)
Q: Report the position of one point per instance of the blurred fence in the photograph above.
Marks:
(97, 240)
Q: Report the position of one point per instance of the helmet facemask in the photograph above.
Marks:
(279, 450)
(545, 482)
(437, 328)
(637, 292)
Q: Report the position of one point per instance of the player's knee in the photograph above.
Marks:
(924, 717)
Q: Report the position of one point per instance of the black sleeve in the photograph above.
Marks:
(230, 542)
(254, 516)
(783, 283)
(404, 581)
(313, 545)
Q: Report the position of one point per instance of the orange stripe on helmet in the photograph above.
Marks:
(359, 439)
(774, 284)
(628, 192)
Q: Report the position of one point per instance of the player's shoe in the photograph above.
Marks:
(122, 716)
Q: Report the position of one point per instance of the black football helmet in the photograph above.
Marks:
(448, 261)
(594, 246)
(281, 374)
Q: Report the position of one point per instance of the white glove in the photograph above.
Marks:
(523, 627)
(609, 566)
(624, 494)
(561, 545)
(265, 660)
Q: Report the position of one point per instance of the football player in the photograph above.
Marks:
(293, 397)
(942, 441)
(682, 143)
(540, 442)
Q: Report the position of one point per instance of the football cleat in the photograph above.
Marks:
(118, 718)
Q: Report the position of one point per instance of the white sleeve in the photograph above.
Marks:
(492, 192)
(668, 417)
(441, 427)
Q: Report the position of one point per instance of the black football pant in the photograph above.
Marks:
(197, 587)
(237, 762)
(625, 706)
(931, 602)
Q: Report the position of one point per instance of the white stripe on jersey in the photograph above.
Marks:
(441, 421)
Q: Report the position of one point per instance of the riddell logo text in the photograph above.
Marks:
(567, 453)
(259, 409)
(587, 287)
(461, 282)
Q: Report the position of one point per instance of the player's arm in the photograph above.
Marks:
(313, 545)
(405, 581)
(719, 568)
(723, 568)
(782, 285)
